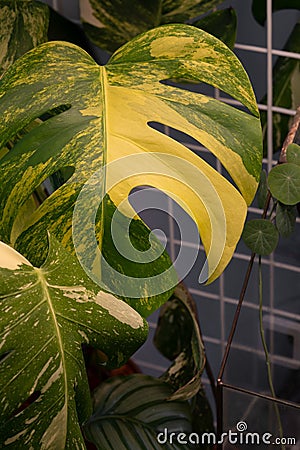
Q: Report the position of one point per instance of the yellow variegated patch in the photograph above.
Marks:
(107, 116)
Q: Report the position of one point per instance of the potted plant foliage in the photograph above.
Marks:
(78, 267)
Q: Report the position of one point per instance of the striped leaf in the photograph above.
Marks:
(47, 314)
(110, 24)
(23, 25)
(105, 123)
(133, 413)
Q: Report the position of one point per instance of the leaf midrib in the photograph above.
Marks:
(44, 285)
(103, 89)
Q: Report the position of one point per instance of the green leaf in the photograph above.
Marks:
(181, 11)
(261, 236)
(202, 417)
(262, 190)
(23, 25)
(130, 412)
(103, 133)
(286, 92)
(259, 8)
(110, 24)
(293, 154)
(284, 183)
(285, 219)
(221, 24)
(178, 338)
(47, 314)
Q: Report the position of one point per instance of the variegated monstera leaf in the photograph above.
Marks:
(47, 314)
(110, 24)
(102, 129)
(23, 25)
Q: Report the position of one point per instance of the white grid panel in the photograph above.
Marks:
(216, 303)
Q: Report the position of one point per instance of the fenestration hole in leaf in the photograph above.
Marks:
(175, 134)
(4, 355)
(31, 399)
(192, 144)
(52, 183)
(54, 112)
(200, 87)
(31, 125)
(38, 196)
(190, 85)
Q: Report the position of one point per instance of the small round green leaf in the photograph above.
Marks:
(293, 154)
(284, 183)
(285, 219)
(261, 236)
(133, 413)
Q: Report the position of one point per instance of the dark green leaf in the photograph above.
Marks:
(129, 412)
(286, 92)
(174, 329)
(110, 24)
(46, 316)
(202, 417)
(284, 183)
(293, 154)
(262, 191)
(23, 25)
(259, 8)
(285, 219)
(178, 338)
(181, 11)
(261, 236)
(221, 24)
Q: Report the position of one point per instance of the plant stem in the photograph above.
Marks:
(288, 140)
(265, 347)
(241, 298)
(290, 136)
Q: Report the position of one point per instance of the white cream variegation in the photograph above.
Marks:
(43, 328)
